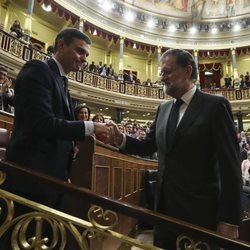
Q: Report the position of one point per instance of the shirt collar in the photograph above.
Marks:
(61, 70)
(187, 97)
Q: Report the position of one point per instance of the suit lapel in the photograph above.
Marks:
(59, 81)
(192, 112)
(162, 123)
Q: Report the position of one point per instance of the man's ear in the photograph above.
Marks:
(188, 71)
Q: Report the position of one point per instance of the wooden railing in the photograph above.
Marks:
(103, 208)
(26, 52)
(104, 177)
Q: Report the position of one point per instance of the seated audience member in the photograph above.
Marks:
(98, 118)
(50, 50)
(130, 130)
(228, 81)
(243, 136)
(7, 93)
(141, 135)
(244, 151)
(245, 168)
(16, 29)
(82, 112)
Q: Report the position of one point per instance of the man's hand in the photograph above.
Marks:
(6, 85)
(117, 136)
(229, 230)
(103, 132)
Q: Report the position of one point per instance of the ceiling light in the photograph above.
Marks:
(46, 7)
(134, 46)
(237, 27)
(129, 16)
(107, 5)
(193, 30)
(150, 23)
(214, 30)
(172, 28)
(94, 32)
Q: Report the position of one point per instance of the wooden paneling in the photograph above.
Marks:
(127, 182)
(6, 121)
(117, 181)
(113, 174)
(102, 180)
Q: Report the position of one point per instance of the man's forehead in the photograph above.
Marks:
(168, 65)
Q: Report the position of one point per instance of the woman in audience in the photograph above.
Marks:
(245, 168)
(82, 112)
(98, 118)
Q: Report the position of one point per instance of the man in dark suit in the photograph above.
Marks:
(44, 125)
(199, 167)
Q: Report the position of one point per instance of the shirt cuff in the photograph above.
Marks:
(123, 144)
(89, 128)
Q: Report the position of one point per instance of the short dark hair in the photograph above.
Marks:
(68, 34)
(183, 59)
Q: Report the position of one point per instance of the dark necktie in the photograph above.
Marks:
(65, 84)
(65, 88)
(172, 121)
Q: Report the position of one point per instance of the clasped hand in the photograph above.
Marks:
(108, 133)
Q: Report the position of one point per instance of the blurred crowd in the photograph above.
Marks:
(244, 143)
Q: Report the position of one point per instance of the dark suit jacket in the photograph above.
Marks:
(199, 174)
(43, 125)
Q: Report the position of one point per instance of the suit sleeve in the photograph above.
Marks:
(146, 147)
(227, 152)
(35, 94)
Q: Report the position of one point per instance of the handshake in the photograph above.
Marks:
(108, 133)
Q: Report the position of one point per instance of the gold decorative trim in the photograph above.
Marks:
(186, 243)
